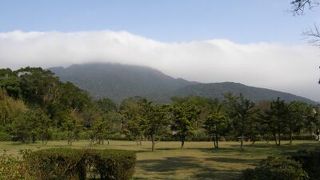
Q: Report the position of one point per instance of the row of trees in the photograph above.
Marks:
(36, 105)
(235, 117)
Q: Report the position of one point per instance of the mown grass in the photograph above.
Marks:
(196, 161)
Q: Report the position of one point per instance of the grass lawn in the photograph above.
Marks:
(196, 161)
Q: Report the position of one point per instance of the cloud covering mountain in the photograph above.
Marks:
(290, 68)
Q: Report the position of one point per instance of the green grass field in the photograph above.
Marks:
(196, 161)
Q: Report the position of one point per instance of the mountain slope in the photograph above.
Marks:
(217, 90)
(117, 81)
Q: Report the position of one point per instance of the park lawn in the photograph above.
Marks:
(196, 161)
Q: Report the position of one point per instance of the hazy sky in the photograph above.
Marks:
(255, 42)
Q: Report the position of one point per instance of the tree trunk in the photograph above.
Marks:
(279, 138)
(290, 138)
(241, 142)
(182, 142)
(217, 141)
(153, 142)
(275, 138)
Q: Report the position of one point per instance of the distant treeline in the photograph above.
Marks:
(36, 105)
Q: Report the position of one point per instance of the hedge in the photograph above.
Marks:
(280, 168)
(310, 161)
(67, 163)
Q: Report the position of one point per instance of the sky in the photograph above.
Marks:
(255, 42)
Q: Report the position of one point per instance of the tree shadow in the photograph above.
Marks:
(234, 160)
(208, 174)
(169, 164)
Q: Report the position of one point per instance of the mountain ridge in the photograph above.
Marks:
(119, 81)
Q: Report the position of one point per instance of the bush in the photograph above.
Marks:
(310, 161)
(81, 164)
(12, 168)
(276, 169)
(4, 136)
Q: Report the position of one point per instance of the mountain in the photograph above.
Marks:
(217, 90)
(118, 81)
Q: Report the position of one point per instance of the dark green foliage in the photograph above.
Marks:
(216, 125)
(310, 160)
(106, 105)
(243, 115)
(183, 116)
(276, 169)
(81, 164)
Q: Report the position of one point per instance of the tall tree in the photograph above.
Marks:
(298, 113)
(216, 125)
(157, 121)
(134, 120)
(276, 119)
(184, 115)
(242, 113)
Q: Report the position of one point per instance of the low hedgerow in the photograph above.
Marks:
(12, 168)
(310, 161)
(280, 168)
(67, 163)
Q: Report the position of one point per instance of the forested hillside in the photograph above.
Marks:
(117, 82)
(217, 90)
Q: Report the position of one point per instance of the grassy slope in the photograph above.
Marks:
(196, 161)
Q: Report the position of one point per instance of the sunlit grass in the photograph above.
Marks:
(196, 161)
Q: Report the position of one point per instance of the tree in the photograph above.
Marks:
(276, 119)
(298, 112)
(10, 82)
(299, 6)
(72, 126)
(242, 113)
(134, 120)
(183, 116)
(24, 127)
(157, 121)
(42, 125)
(106, 105)
(99, 128)
(216, 125)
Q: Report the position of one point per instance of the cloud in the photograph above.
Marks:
(290, 68)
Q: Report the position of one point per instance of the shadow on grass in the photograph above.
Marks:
(169, 165)
(208, 173)
(234, 160)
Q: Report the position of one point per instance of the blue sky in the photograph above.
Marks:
(242, 21)
(254, 42)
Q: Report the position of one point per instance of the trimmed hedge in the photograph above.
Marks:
(273, 168)
(310, 161)
(67, 163)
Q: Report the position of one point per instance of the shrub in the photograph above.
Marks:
(12, 168)
(310, 161)
(276, 169)
(4, 136)
(80, 164)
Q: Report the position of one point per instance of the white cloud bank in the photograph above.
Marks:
(291, 68)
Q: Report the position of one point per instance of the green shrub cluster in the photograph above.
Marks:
(12, 168)
(281, 168)
(81, 164)
(310, 161)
